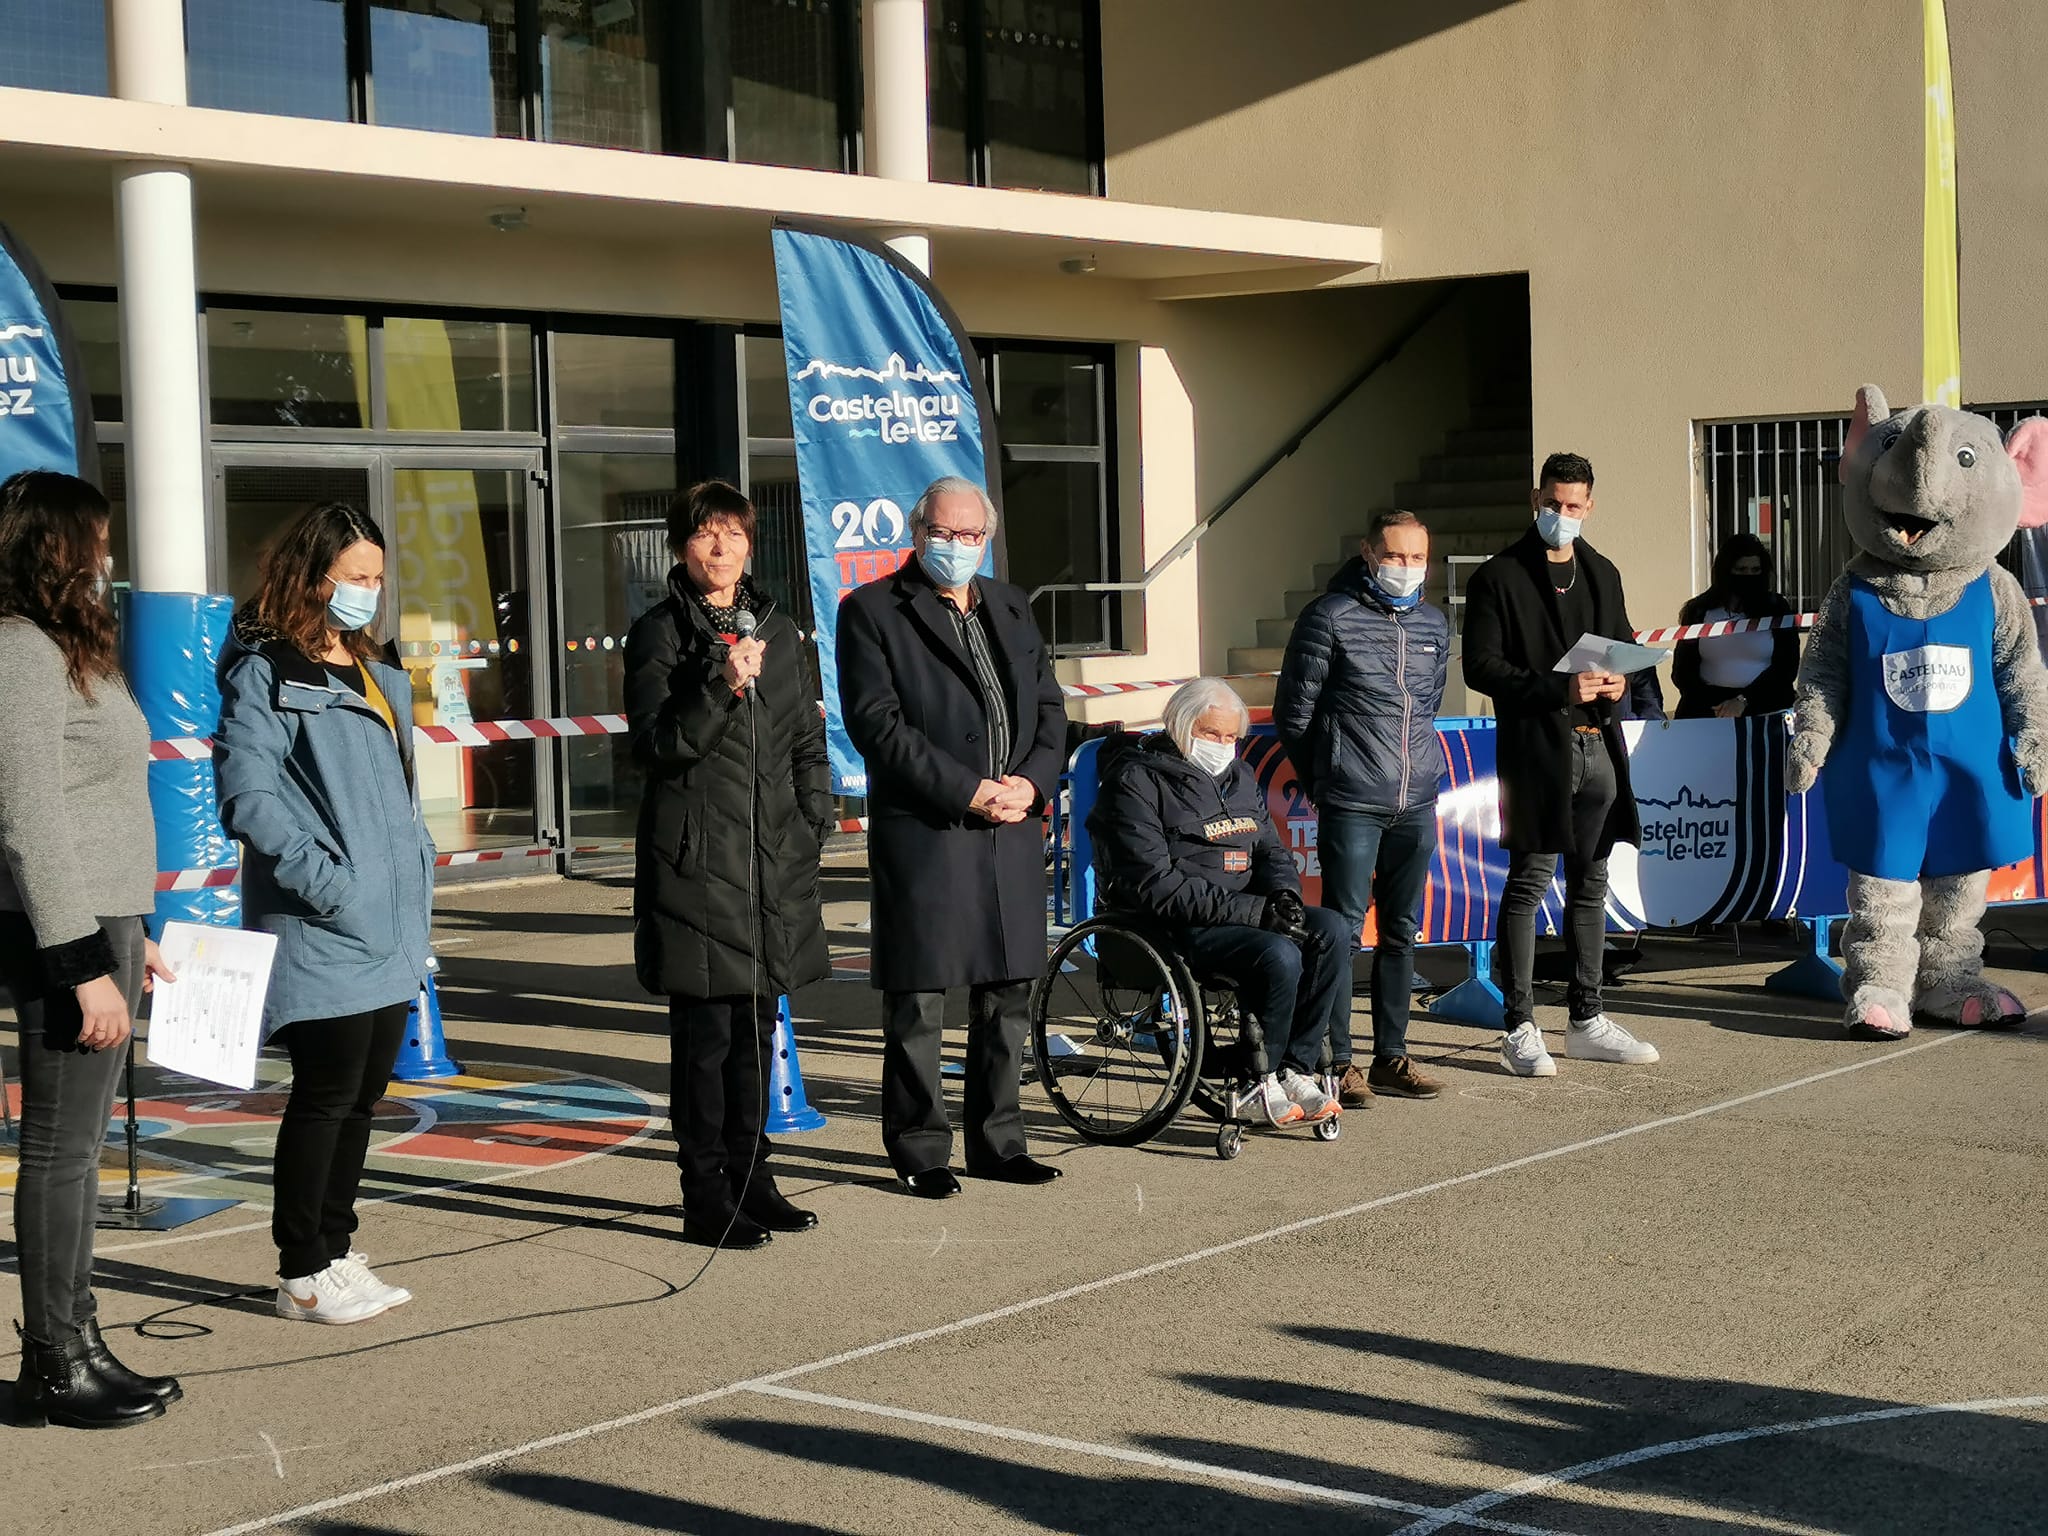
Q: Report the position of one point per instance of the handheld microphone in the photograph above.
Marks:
(743, 626)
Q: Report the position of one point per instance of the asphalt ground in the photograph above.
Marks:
(1780, 1281)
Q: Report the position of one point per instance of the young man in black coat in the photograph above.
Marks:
(1561, 761)
(948, 695)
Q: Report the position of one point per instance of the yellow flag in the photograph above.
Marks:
(1941, 332)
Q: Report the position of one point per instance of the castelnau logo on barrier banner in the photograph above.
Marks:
(886, 396)
(45, 418)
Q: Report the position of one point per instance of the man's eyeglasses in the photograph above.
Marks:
(971, 538)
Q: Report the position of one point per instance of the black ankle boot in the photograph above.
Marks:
(164, 1389)
(765, 1203)
(58, 1385)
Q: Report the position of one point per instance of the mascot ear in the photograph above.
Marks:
(2028, 445)
(1870, 410)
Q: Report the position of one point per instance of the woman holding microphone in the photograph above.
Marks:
(77, 877)
(722, 705)
(313, 763)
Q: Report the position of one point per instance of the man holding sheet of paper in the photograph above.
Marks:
(1547, 636)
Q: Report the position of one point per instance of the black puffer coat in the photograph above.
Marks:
(1357, 699)
(1177, 843)
(694, 934)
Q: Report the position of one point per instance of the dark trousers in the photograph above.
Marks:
(1381, 859)
(1585, 895)
(67, 1094)
(915, 1132)
(340, 1069)
(718, 1095)
(1295, 990)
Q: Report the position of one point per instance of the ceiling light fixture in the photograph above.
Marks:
(1078, 266)
(507, 220)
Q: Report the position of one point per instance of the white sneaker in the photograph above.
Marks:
(1601, 1039)
(355, 1268)
(328, 1297)
(1307, 1096)
(1523, 1053)
(1267, 1097)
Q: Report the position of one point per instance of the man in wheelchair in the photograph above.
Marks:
(1182, 837)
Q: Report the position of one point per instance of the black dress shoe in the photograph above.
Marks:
(932, 1184)
(765, 1204)
(1021, 1169)
(725, 1228)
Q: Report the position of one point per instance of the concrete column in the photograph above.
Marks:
(899, 107)
(160, 373)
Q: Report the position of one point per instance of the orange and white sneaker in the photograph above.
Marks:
(1268, 1098)
(328, 1297)
(1306, 1095)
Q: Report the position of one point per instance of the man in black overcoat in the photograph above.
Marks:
(948, 694)
(1561, 761)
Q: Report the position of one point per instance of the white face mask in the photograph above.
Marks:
(1398, 580)
(1555, 529)
(1212, 757)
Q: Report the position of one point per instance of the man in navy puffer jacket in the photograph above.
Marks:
(1356, 707)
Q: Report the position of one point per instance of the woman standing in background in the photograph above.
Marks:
(314, 767)
(77, 877)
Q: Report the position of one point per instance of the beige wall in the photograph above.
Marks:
(1717, 201)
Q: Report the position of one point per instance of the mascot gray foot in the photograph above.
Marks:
(1951, 988)
(1881, 956)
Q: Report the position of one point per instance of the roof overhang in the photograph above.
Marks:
(396, 176)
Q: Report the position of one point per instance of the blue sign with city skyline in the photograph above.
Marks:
(886, 395)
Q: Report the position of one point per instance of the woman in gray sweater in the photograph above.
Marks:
(77, 877)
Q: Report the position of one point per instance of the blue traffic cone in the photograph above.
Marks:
(788, 1110)
(423, 1054)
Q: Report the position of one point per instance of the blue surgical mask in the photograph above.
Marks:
(103, 583)
(949, 563)
(1555, 529)
(352, 607)
(1398, 586)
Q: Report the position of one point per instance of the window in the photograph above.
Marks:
(276, 368)
(1052, 414)
(1016, 91)
(285, 57)
(795, 76)
(600, 74)
(448, 65)
(1776, 479)
(55, 45)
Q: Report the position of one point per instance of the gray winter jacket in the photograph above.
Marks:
(1357, 699)
(77, 842)
(336, 859)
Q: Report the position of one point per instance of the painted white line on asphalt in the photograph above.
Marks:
(1528, 1487)
(903, 1340)
(1139, 1458)
(1308, 1223)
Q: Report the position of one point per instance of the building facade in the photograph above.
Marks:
(499, 272)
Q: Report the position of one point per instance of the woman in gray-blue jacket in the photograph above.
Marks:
(314, 767)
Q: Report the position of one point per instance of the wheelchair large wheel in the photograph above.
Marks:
(1117, 1038)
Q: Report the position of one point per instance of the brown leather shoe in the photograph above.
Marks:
(1396, 1077)
(1352, 1091)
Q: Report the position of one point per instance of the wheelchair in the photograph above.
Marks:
(1125, 1036)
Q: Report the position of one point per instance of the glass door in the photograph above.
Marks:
(460, 529)
(465, 606)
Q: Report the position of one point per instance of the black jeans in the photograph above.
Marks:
(1381, 859)
(718, 1095)
(67, 1095)
(1295, 990)
(1585, 895)
(915, 1132)
(340, 1069)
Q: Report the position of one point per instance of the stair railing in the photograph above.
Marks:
(1187, 541)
